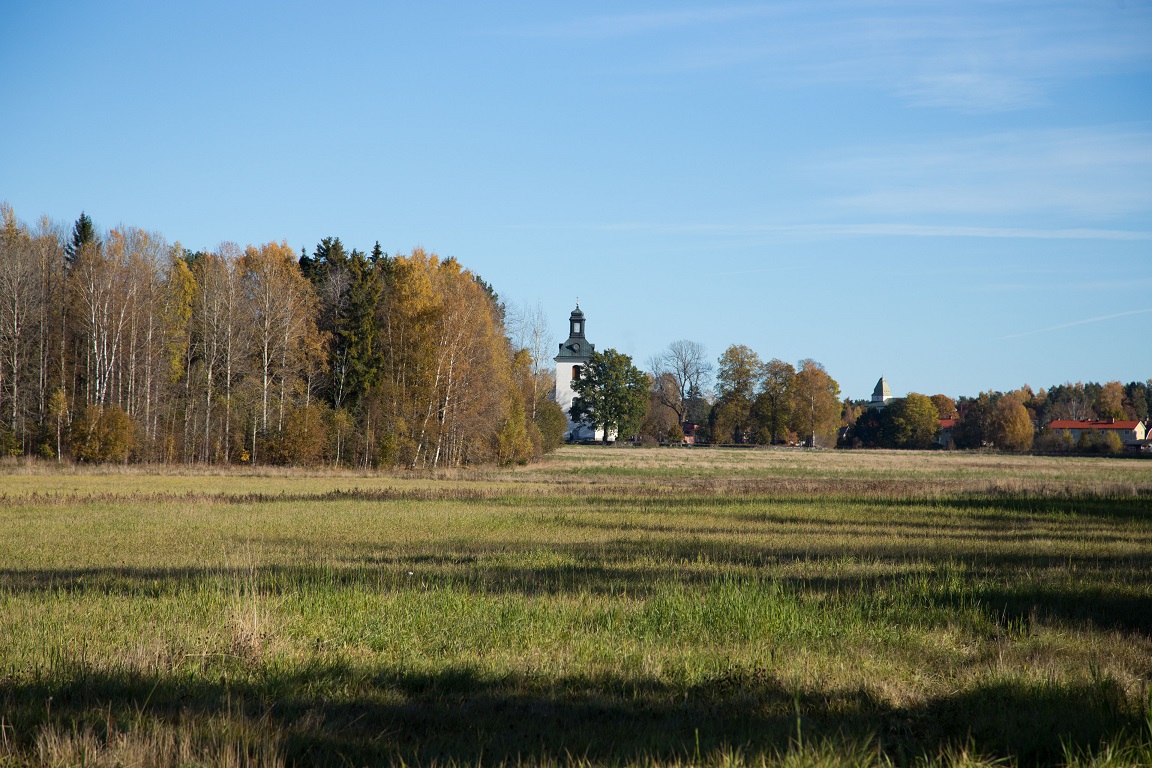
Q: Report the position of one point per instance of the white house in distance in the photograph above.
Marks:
(574, 354)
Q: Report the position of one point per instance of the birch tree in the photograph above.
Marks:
(281, 309)
(104, 294)
(18, 284)
(531, 330)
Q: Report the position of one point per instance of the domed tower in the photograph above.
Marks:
(574, 354)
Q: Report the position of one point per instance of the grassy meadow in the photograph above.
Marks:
(606, 606)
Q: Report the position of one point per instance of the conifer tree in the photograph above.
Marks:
(611, 394)
(83, 233)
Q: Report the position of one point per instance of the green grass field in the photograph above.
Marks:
(607, 606)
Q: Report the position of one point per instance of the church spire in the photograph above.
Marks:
(576, 323)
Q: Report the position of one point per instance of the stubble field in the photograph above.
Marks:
(607, 606)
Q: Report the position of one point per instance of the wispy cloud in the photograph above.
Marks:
(761, 271)
(972, 57)
(944, 230)
(969, 91)
(631, 24)
(850, 230)
(1075, 323)
(1091, 175)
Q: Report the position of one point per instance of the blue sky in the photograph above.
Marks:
(957, 196)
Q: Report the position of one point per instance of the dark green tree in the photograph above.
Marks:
(377, 254)
(350, 287)
(974, 428)
(501, 310)
(356, 335)
(83, 233)
(1136, 397)
(192, 258)
(868, 431)
(696, 408)
(611, 394)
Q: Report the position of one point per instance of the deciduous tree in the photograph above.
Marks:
(816, 405)
(531, 330)
(1110, 401)
(945, 406)
(911, 422)
(103, 433)
(1011, 428)
(773, 406)
(281, 308)
(1070, 401)
(58, 410)
(105, 292)
(19, 281)
(739, 371)
(680, 369)
(661, 422)
(446, 362)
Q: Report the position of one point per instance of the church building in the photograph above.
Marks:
(881, 396)
(574, 354)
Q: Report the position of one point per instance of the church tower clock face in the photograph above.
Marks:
(574, 354)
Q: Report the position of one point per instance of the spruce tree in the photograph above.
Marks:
(83, 232)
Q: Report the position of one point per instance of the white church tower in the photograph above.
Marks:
(882, 395)
(574, 354)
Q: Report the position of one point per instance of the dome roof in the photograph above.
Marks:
(577, 348)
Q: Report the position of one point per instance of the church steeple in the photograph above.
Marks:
(882, 394)
(576, 348)
(574, 355)
(576, 323)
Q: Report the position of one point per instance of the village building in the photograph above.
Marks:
(1129, 432)
(574, 355)
(881, 396)
(944, 431)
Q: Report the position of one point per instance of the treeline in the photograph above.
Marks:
(745, 400)
(1014, 421)
(120, 346)
(754, 402)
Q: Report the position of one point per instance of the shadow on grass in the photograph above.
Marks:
(1106, 585)
(335, 715)
(1111, 594)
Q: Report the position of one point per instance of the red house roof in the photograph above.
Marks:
(1104, 424)
(947, 423)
